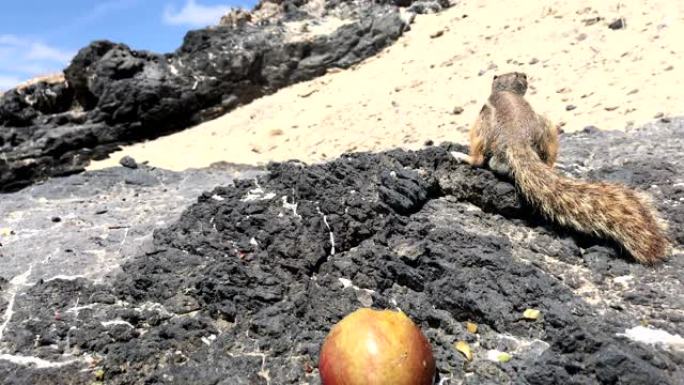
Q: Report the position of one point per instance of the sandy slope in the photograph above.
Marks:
(407, 94)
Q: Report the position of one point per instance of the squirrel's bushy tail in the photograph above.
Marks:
(607, 210)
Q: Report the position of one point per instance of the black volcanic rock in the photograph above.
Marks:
(113, 94)
(428, 6)
(128, 162)
(20, 108)
(244, 285)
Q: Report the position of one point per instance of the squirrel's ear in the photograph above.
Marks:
(495, 77)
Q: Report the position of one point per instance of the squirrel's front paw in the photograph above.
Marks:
(461, 157)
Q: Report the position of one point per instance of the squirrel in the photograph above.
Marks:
(516, 141)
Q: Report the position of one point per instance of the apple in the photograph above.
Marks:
(376, 347)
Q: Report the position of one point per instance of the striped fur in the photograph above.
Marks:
(520, 142)
(602, 209)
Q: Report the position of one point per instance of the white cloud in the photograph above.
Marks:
(40, 51)
(7, 82)
(22, 58)
(194, 15)
(11, 40)
(103, 8)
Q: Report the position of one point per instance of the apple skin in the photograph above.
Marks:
(376, 347)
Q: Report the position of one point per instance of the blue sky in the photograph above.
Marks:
(41, 36)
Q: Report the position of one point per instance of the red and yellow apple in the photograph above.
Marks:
(376, 347)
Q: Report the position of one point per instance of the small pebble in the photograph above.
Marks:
(592, 20)
(617, 24)
(458, 110)
(590, 129)
(437, 34)
(128, 162)
(570, 107)
(56, 219)
(429, 142)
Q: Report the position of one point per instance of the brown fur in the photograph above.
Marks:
(515, 140)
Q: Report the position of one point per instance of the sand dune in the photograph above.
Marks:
(581, 72)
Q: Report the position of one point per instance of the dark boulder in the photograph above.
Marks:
(116, 95)
(243, 285)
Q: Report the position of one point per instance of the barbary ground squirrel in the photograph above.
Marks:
(515, 140)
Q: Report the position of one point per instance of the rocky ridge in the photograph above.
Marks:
(112, 94)
(137, 275)
(244, 285)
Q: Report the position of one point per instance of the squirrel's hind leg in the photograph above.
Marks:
(547, 143)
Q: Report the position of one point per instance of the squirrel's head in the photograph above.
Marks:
(515, 82)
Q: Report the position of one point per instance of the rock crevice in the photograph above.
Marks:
(244, 286)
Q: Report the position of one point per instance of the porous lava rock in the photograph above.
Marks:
(243, 287)
(112, 94)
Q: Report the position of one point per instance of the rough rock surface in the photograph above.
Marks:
(245, 285)
(113, 94)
